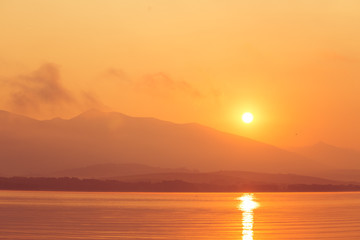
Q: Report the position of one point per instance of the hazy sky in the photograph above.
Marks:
(294, 64)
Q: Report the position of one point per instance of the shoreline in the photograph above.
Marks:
(173, 186)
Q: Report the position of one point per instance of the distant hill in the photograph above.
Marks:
(348, 175)
(228, 178)
(144, 173)
(98, 185)
(111, 170)
(29, 146)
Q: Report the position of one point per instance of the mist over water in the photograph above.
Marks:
(259, 216)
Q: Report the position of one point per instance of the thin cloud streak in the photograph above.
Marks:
(42, 92)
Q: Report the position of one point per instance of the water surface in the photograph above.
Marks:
(261, 216)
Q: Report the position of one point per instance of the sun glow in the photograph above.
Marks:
(247, 117)
(247, 206)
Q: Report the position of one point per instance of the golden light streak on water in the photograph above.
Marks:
(247, 206)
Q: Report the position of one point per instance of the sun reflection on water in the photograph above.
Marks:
(247, 206)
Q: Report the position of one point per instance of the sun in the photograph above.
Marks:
(247, 117)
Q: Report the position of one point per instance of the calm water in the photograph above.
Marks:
(73, 215)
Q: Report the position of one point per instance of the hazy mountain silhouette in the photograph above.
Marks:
(334, 157)
(113, 170)
(30, 146)
(228, 178)
(133, 173)
(344, 163)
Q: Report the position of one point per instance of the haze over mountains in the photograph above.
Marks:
(344, 163)
(111, 170)
(137, 173)
(33, 147)
(335, 157)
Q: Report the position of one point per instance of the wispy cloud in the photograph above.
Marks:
(162, 84)
(158, 87)
(39, 88)
(116, 73)
(42, 92)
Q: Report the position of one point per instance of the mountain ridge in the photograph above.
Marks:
(143, 173)
(95, 137)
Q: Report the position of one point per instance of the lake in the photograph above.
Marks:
(106, 215)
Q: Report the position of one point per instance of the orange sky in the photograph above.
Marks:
(294, 64)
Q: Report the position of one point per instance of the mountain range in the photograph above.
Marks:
(31, 147)
(144, 173)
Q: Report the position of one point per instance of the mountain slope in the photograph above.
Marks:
(30, 146)
(344, 163)
(335, 157)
